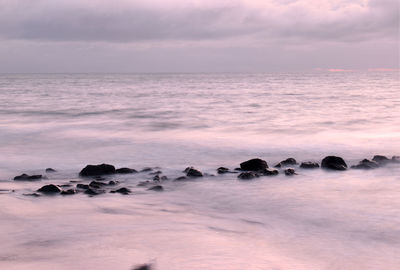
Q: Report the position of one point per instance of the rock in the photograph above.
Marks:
(247, 175)
(142, 267)
(50, 170)
(255, 164)
(309, 165)
(113, 183)
(334, 163)
(180, 178)
(156, 178)
(366, 165)
(32, 194)
(68, 192)
(192, 172)
(64, 185)
(222, 170)
(82, 186)
(156, 188)
(290, 172)
(268, 172)
(144, 183)
(123, 190)
(155, 173)
(125, 170)
(396, 159)
(93, 192)
(164, 178)
(25, 177)
(381, 160)
(147, 169)
(93, 170)
(286, 162)
(49, 189)
(97, 184)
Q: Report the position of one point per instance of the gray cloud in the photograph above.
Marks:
(128, 21)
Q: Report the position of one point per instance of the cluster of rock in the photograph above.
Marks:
(249, 169)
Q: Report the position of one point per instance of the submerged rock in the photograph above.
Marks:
(156, 188)
(268, 172)
(82, 186)
(68, 192)
(123, 190)
(309, 165)
(290, 172)
(93, 192)
(147, 169)
(25, 177)
(180, 178)
(49, 189)
(34, 194)
(125, 170)
(222, 170)
(381, 160)
(366, 165)
(142, 267)
(254, 164)
(286, 162)
(396, 159)
(97, 184)
(113, 183)
(144, 183)
(93, 170)
(192, 172)
(247, 175)
(50, 170)
(333, 163)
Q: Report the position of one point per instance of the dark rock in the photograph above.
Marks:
(164, 178)
(142, 267)
(113, 183)
(156, 178)
(144, 183)
(68, 192)
(286, 162)
(180, 178)
(123, 190)
(50, 170)
(268, 172)
(290, 172)
(396, 159)
(147, 169)
(49, 189)
(93, 192)
(255, 164)
(222, 170)
(155, 173)
(247, 175)
(381, 160)
(309, 165)
(32, 194)
(366, 165)
(65, 185)
(334, 163)
(97, 184)
(238, 169)
(82, 186)
(25, 177)
(93, 170)
(156, 188)
(125, 170)
(192, 172)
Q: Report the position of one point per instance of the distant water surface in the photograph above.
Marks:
(315, 220)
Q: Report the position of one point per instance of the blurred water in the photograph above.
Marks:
(316, 220)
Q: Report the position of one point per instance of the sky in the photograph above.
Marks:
(198, 35)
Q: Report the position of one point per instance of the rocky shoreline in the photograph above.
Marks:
(94, 180)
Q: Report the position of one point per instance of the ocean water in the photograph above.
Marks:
(314, 220)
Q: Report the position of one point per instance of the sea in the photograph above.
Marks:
(314, 220)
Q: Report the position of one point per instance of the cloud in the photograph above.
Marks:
(198, 21)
